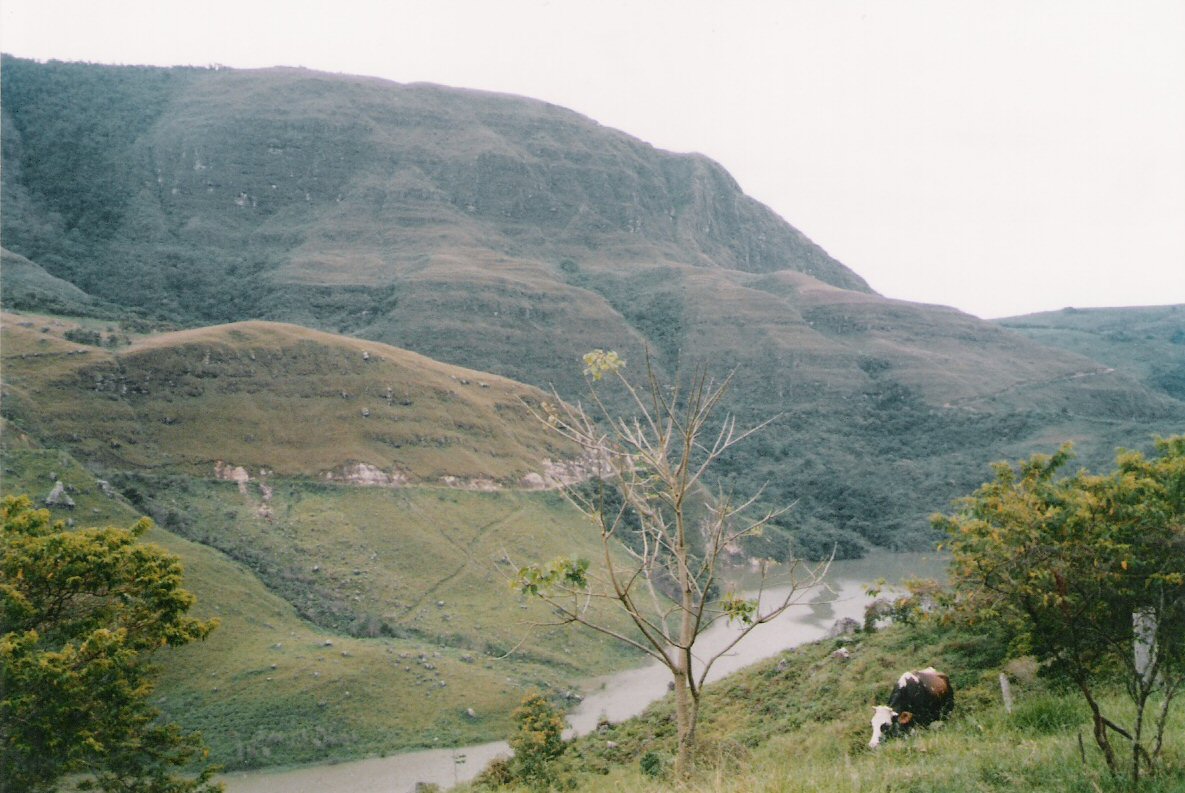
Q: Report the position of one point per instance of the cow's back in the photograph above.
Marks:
(926, 695)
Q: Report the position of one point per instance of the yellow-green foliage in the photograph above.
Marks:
(536, 741)
(81, 614)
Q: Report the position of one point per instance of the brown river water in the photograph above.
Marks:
(620, 695)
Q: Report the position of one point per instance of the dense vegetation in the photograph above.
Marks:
(1079, 571)
(1147, 343)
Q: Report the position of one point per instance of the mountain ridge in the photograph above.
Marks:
(511, 236)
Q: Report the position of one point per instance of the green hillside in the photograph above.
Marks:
(27, 286)
(800, 723)
(263, 395)
(301, 320)
(355, 619)
(1145, 343)
(510, 236)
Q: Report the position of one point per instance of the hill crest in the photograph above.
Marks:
(264, 396)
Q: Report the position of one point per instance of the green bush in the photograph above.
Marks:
(651, 764)
(537, 742)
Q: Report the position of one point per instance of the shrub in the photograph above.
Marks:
(497, 773)
(537, 742)
(651, 764)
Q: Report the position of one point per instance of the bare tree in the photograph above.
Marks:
(665, 530)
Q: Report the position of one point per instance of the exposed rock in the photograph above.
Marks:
(479, 484)
(232, 473)
(58, 498)
(533, 481)
(842, 654)
(845, 626)
(878, 614)
(560, 473)
(365, 475)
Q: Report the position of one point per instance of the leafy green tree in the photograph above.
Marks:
(537, 741)
(1088, 573)
(80, 614)
(654, 503)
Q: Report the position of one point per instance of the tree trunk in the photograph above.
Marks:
(686, 715)
(686, 697)
(1170, 691)
(1100, 727)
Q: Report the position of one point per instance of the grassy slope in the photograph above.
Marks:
(352, 697)
(295, 401)
(422, 569)
(1146, 343)
(800, 722)
(28, 285)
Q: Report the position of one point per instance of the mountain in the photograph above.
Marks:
(510, 236)
(1146, 343)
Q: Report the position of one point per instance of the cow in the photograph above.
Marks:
(920, 698)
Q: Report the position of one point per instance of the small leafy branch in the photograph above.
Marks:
(665, 531)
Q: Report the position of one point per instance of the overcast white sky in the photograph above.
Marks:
(1002, 157)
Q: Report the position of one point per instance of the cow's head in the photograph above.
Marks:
(887, 722)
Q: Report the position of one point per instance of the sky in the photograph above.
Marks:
(1002, 157)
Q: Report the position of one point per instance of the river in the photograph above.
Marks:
(618, 696)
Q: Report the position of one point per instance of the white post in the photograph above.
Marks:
(1006, 692)
(1144, 642)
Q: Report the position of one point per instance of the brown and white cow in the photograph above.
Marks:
(920, 698)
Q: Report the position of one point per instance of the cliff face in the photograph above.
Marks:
(278, 161)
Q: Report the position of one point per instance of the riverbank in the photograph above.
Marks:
(618, 696)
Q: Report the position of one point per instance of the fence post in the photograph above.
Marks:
(1006, 692)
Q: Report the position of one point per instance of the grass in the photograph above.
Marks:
(381, 572)
(264, 395)
(271, 686)
(408, 584)
(800, 722)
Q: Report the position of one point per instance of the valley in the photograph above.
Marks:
(306, 323)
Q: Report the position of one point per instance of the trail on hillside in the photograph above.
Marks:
(467, 550)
